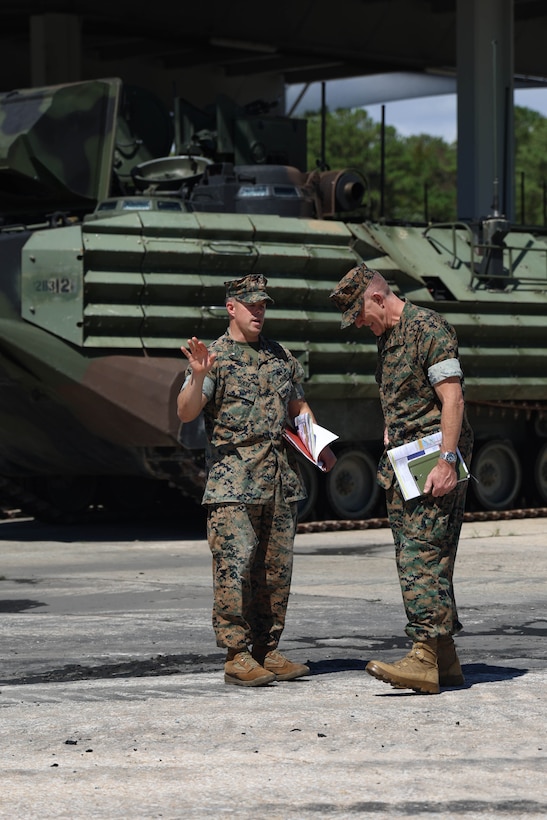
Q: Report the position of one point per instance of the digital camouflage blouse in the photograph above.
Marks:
(410, 355)
(248, 395)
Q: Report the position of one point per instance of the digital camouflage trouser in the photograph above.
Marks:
(426, 531)
(252, 547)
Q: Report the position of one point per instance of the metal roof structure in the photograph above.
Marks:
(303, 41)
(248, 51)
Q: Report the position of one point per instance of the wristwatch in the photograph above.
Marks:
(449, 456)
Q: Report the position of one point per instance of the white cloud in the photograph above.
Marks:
(435, 114)
(535, 98)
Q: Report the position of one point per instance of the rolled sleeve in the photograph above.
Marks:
(444, 370)
(207, 388)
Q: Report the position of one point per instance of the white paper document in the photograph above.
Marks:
(414, 461)
(310, 439)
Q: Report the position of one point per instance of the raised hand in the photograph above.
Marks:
(198, 356)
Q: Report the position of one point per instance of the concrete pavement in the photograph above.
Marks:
(113, 703)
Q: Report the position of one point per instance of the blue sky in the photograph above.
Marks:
(401, 94)
(437, 115)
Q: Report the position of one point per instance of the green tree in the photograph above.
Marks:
(530, 166)
(420, 172)
(419, 181)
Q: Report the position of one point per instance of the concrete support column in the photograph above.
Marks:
(56, 49)
(485, 109)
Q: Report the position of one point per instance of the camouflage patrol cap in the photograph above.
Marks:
(249, 289)
(348, 292)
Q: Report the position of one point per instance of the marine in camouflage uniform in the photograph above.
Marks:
(422, 346)
(250, 466)
(249, 393)
(417, 353)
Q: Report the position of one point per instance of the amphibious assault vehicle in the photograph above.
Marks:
(119, 225)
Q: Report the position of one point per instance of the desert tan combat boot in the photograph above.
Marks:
(450, 671)
(241, 669)
(418, 670)
(282, 667)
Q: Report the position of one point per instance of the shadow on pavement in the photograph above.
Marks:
(334, 665)
(474, 673)
(187, 527)
(161, 665)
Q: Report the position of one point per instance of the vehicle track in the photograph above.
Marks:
(379, 523)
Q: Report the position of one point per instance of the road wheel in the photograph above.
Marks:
(310, 476)
(496, 467)
(540, 474)
(352, 491)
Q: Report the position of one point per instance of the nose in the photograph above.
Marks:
(258, 312)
